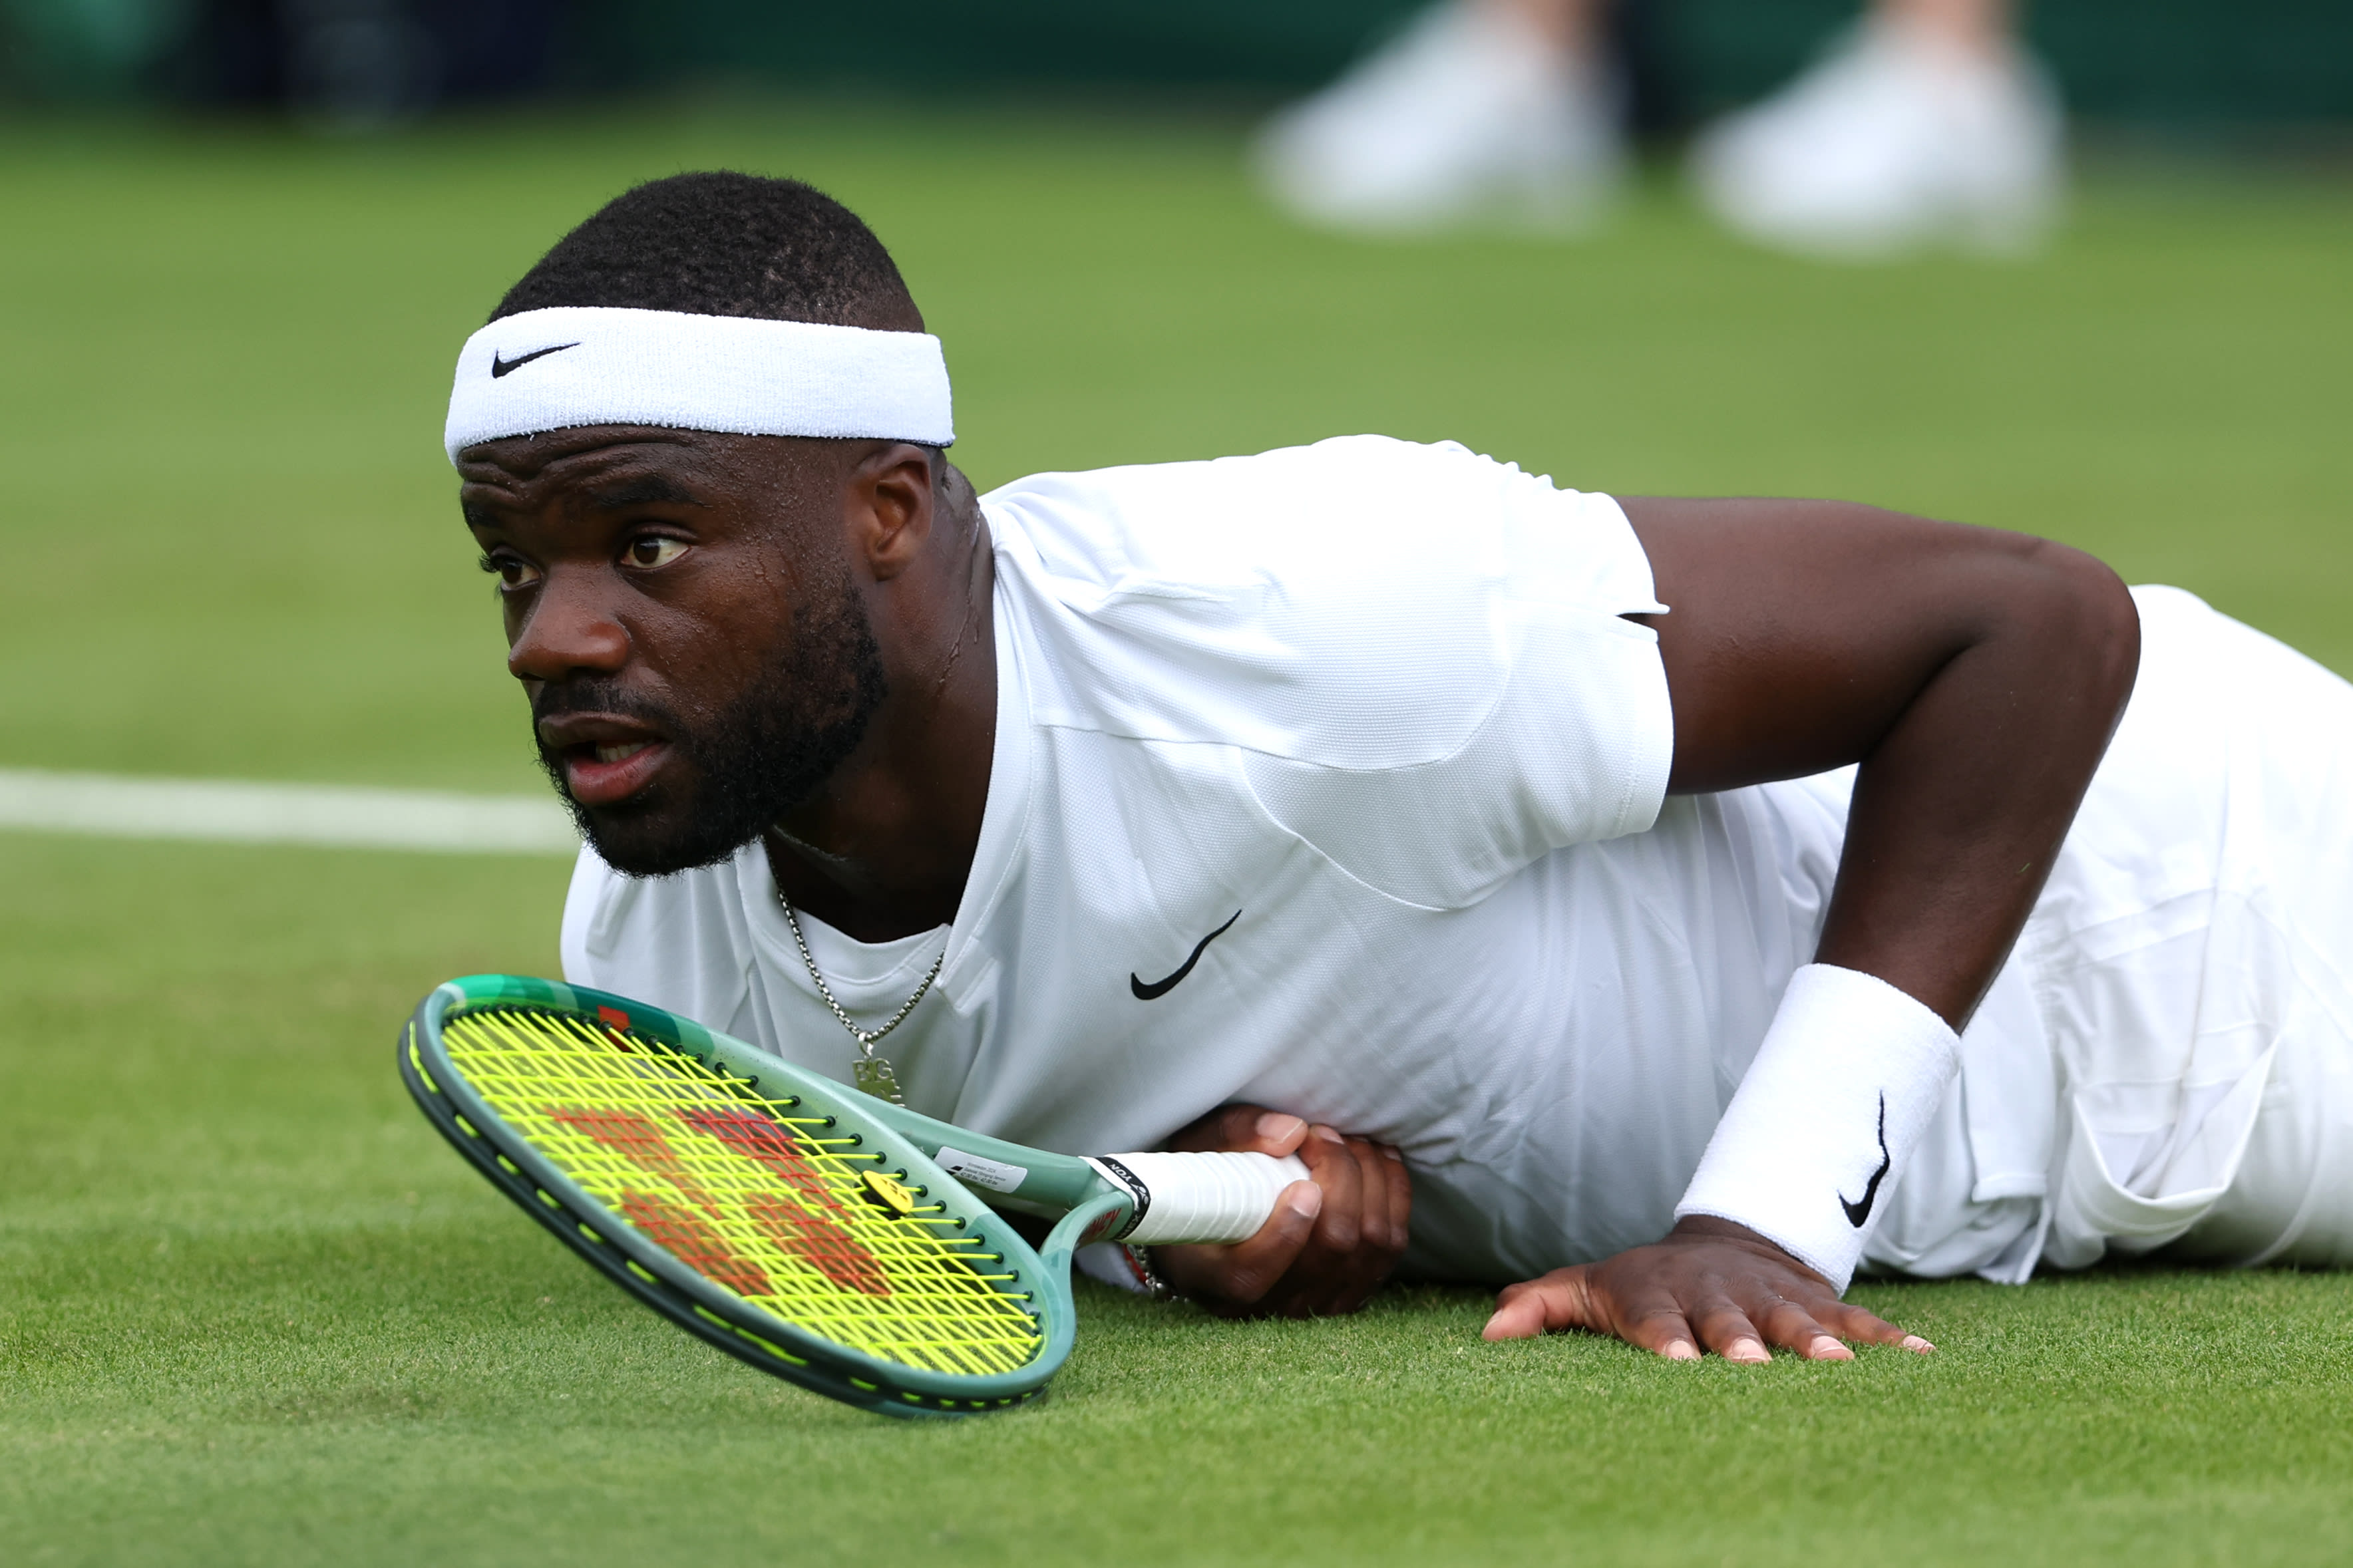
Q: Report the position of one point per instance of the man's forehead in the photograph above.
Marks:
(583, 454)
(608, 467)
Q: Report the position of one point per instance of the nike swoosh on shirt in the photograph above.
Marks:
(499, 367)
(1146, 991)
(1858, 1213)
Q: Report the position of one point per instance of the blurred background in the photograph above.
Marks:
(2234, 69)
(241, 239)
(245, 1298)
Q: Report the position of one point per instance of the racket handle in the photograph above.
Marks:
(1214, 1197)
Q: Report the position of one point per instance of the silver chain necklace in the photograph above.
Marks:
(874, 1074)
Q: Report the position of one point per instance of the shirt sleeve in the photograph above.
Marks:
(1577, 736)
(1419, 655)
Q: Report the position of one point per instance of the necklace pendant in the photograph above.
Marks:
(875, 1076)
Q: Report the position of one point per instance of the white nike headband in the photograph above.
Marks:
(572, 365)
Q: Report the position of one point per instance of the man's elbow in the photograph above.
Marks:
(2084, 618)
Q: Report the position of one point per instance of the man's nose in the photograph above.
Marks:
(570, 630)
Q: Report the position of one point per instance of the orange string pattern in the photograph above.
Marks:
(771, 1206)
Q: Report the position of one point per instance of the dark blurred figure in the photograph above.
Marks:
(358, 65)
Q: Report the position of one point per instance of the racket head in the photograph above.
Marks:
(729, 1190)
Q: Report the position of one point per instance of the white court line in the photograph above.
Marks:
(222, 811)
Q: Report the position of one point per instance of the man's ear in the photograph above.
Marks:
(892, 496)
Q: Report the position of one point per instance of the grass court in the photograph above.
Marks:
(252, 1310)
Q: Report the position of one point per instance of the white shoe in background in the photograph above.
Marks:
(1893, 143)
(1465, 117)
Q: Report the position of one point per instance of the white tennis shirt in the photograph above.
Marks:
(1372, 714)
(1334, 779)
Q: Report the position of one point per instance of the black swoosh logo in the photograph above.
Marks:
(1857, 1212)
(499, 367)
(1145, 992)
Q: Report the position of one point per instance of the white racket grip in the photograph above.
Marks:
(1214, 1197)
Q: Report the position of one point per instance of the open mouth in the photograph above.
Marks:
(605, 773)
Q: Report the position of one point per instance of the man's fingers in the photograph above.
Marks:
(1237, 1278)
(1333, 1168)
(1664, 1330)
(1329, 1246)
(1791, 1327)
(1561, 1299)
(1395, 1190)
(1377, 1240)
(1380, 1241)
(1323, 1275)
(1400, 1184)
(1568, 1298)
(1521, 1317)
(1725, 1329)
(1241, 1128)
(1359, 1236)
(1714, 1286)
(1276, 1132)
(1253, 1266)
(1854, 1323)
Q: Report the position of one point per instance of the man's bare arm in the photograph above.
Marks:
(1976, 676)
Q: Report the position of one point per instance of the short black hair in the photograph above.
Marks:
(724, 244)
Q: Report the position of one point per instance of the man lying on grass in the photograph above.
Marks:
(1590, 890)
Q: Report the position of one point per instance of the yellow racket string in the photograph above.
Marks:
(776, 1207)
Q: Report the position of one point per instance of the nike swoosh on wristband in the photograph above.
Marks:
(499, 367)
(1147, 992)
(1858, 1213)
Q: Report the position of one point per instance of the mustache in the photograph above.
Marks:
(601, 695)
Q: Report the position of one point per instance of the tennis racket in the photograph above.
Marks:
(805, 1229)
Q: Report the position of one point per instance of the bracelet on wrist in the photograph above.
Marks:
(1139, 1261)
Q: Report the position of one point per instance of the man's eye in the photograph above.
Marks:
(653, 550)
(512, 573)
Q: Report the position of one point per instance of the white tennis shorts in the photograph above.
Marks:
(2166, 1065)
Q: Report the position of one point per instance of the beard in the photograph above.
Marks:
(738, 768)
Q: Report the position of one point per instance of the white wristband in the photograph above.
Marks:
(1199, 1197)
(1841, 1093)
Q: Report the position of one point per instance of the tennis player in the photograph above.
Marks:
(1590, 889)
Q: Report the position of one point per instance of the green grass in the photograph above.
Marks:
(232, 535)
(254, 1312)
(250, 1310)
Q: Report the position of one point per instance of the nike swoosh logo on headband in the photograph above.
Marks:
(1856, 1213)
(1150, 991)
(499, 367)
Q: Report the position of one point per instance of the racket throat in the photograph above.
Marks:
(1121, 1180)
(1098, 1219)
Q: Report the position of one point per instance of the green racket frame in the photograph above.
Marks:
(903, 1142)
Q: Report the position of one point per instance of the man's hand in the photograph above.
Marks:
(1332, 1239)
(1710, 1284)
